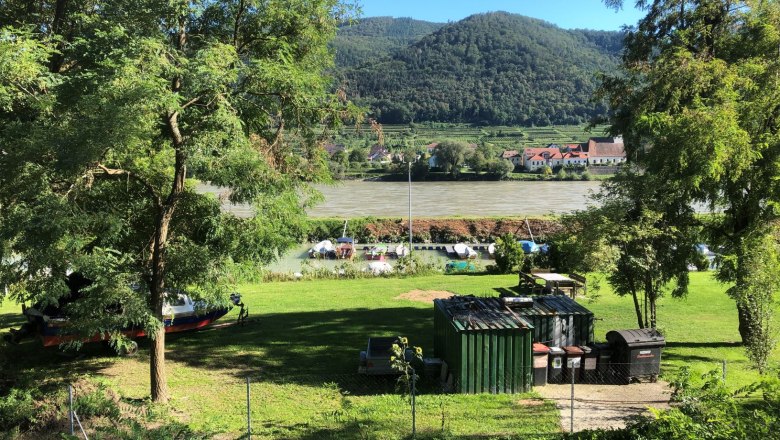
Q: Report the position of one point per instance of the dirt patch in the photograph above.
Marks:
(424, 295)
(530, 402)
(606, 406)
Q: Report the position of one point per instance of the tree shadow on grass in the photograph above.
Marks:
(304, 347)
(719, 344)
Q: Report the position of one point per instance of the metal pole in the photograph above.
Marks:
(248, 412)
(571, 415)
(414, 409)
(70, 407)
(410, 208)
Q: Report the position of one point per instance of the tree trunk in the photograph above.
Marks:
(638, 309)
(159, 382)
(745, 323)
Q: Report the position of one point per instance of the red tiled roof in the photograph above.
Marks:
(506, 154)
(606, 147)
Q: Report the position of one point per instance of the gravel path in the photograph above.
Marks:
(606, 406)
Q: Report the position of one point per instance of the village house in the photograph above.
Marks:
(513, 156)
(332, 148)
(535, 158)
(605, 151)
(379, 154)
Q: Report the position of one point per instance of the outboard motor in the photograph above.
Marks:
(235, 297)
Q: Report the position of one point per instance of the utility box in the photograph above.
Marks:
(638, 352)
(487, 347)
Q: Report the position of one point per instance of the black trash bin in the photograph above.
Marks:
(604, 370)
(588, 373)
(637, 352)
(541, 353)
(555, 372)
(573, 363)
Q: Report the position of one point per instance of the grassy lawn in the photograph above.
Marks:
(301, 351)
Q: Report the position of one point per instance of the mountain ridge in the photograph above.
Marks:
(492, 68)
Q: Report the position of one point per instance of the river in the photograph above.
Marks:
(349, 199)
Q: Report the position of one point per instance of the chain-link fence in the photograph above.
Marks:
(546, 402)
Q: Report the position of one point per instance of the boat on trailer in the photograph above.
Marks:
(181, 313)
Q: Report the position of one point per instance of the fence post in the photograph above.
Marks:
(724, 370)
(414, 409)
(248, 412)
(571, 413)
(70, 408)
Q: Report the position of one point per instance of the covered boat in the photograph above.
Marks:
(465, 252)
(323, 249)
(379, 267)
(529, 247)
(401, 251)
(376, 252)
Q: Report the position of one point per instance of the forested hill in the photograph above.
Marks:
(374, 38)
(495, 68)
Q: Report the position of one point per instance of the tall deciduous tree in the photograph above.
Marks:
(697, 103)
(450, 156)
(106, 107)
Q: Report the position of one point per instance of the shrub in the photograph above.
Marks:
(18, 410)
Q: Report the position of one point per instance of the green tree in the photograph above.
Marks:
(476, 161)
(509, 254)
(450, 156)
(500, 168)
(106, 105)
(696, 103)
(357, 157)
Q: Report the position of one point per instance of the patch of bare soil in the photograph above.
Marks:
(424, 295)
(606, 406)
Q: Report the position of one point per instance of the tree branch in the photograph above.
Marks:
(116, 172)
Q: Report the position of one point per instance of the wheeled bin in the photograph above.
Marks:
(541, 353)
(555, 371)
(638, 352)
(572, 365)
(588, 373)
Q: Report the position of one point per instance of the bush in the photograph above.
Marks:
(19, 410)
(509, 254)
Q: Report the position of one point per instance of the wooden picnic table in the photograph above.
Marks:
(557, 282)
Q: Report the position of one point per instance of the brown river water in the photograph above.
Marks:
(349, 199)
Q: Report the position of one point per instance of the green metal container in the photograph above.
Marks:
(559, 321)
(486, 346)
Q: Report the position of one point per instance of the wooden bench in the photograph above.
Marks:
(579, 282)
(528, 282)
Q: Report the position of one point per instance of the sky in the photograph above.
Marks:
(568, 14)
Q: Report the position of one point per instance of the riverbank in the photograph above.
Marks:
(433, 230)
(386, 176)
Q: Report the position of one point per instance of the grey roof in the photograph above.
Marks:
(553, 305)
(474, 313)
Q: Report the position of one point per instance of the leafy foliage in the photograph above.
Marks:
(695, 102)
(106, 106)
(509, 254)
